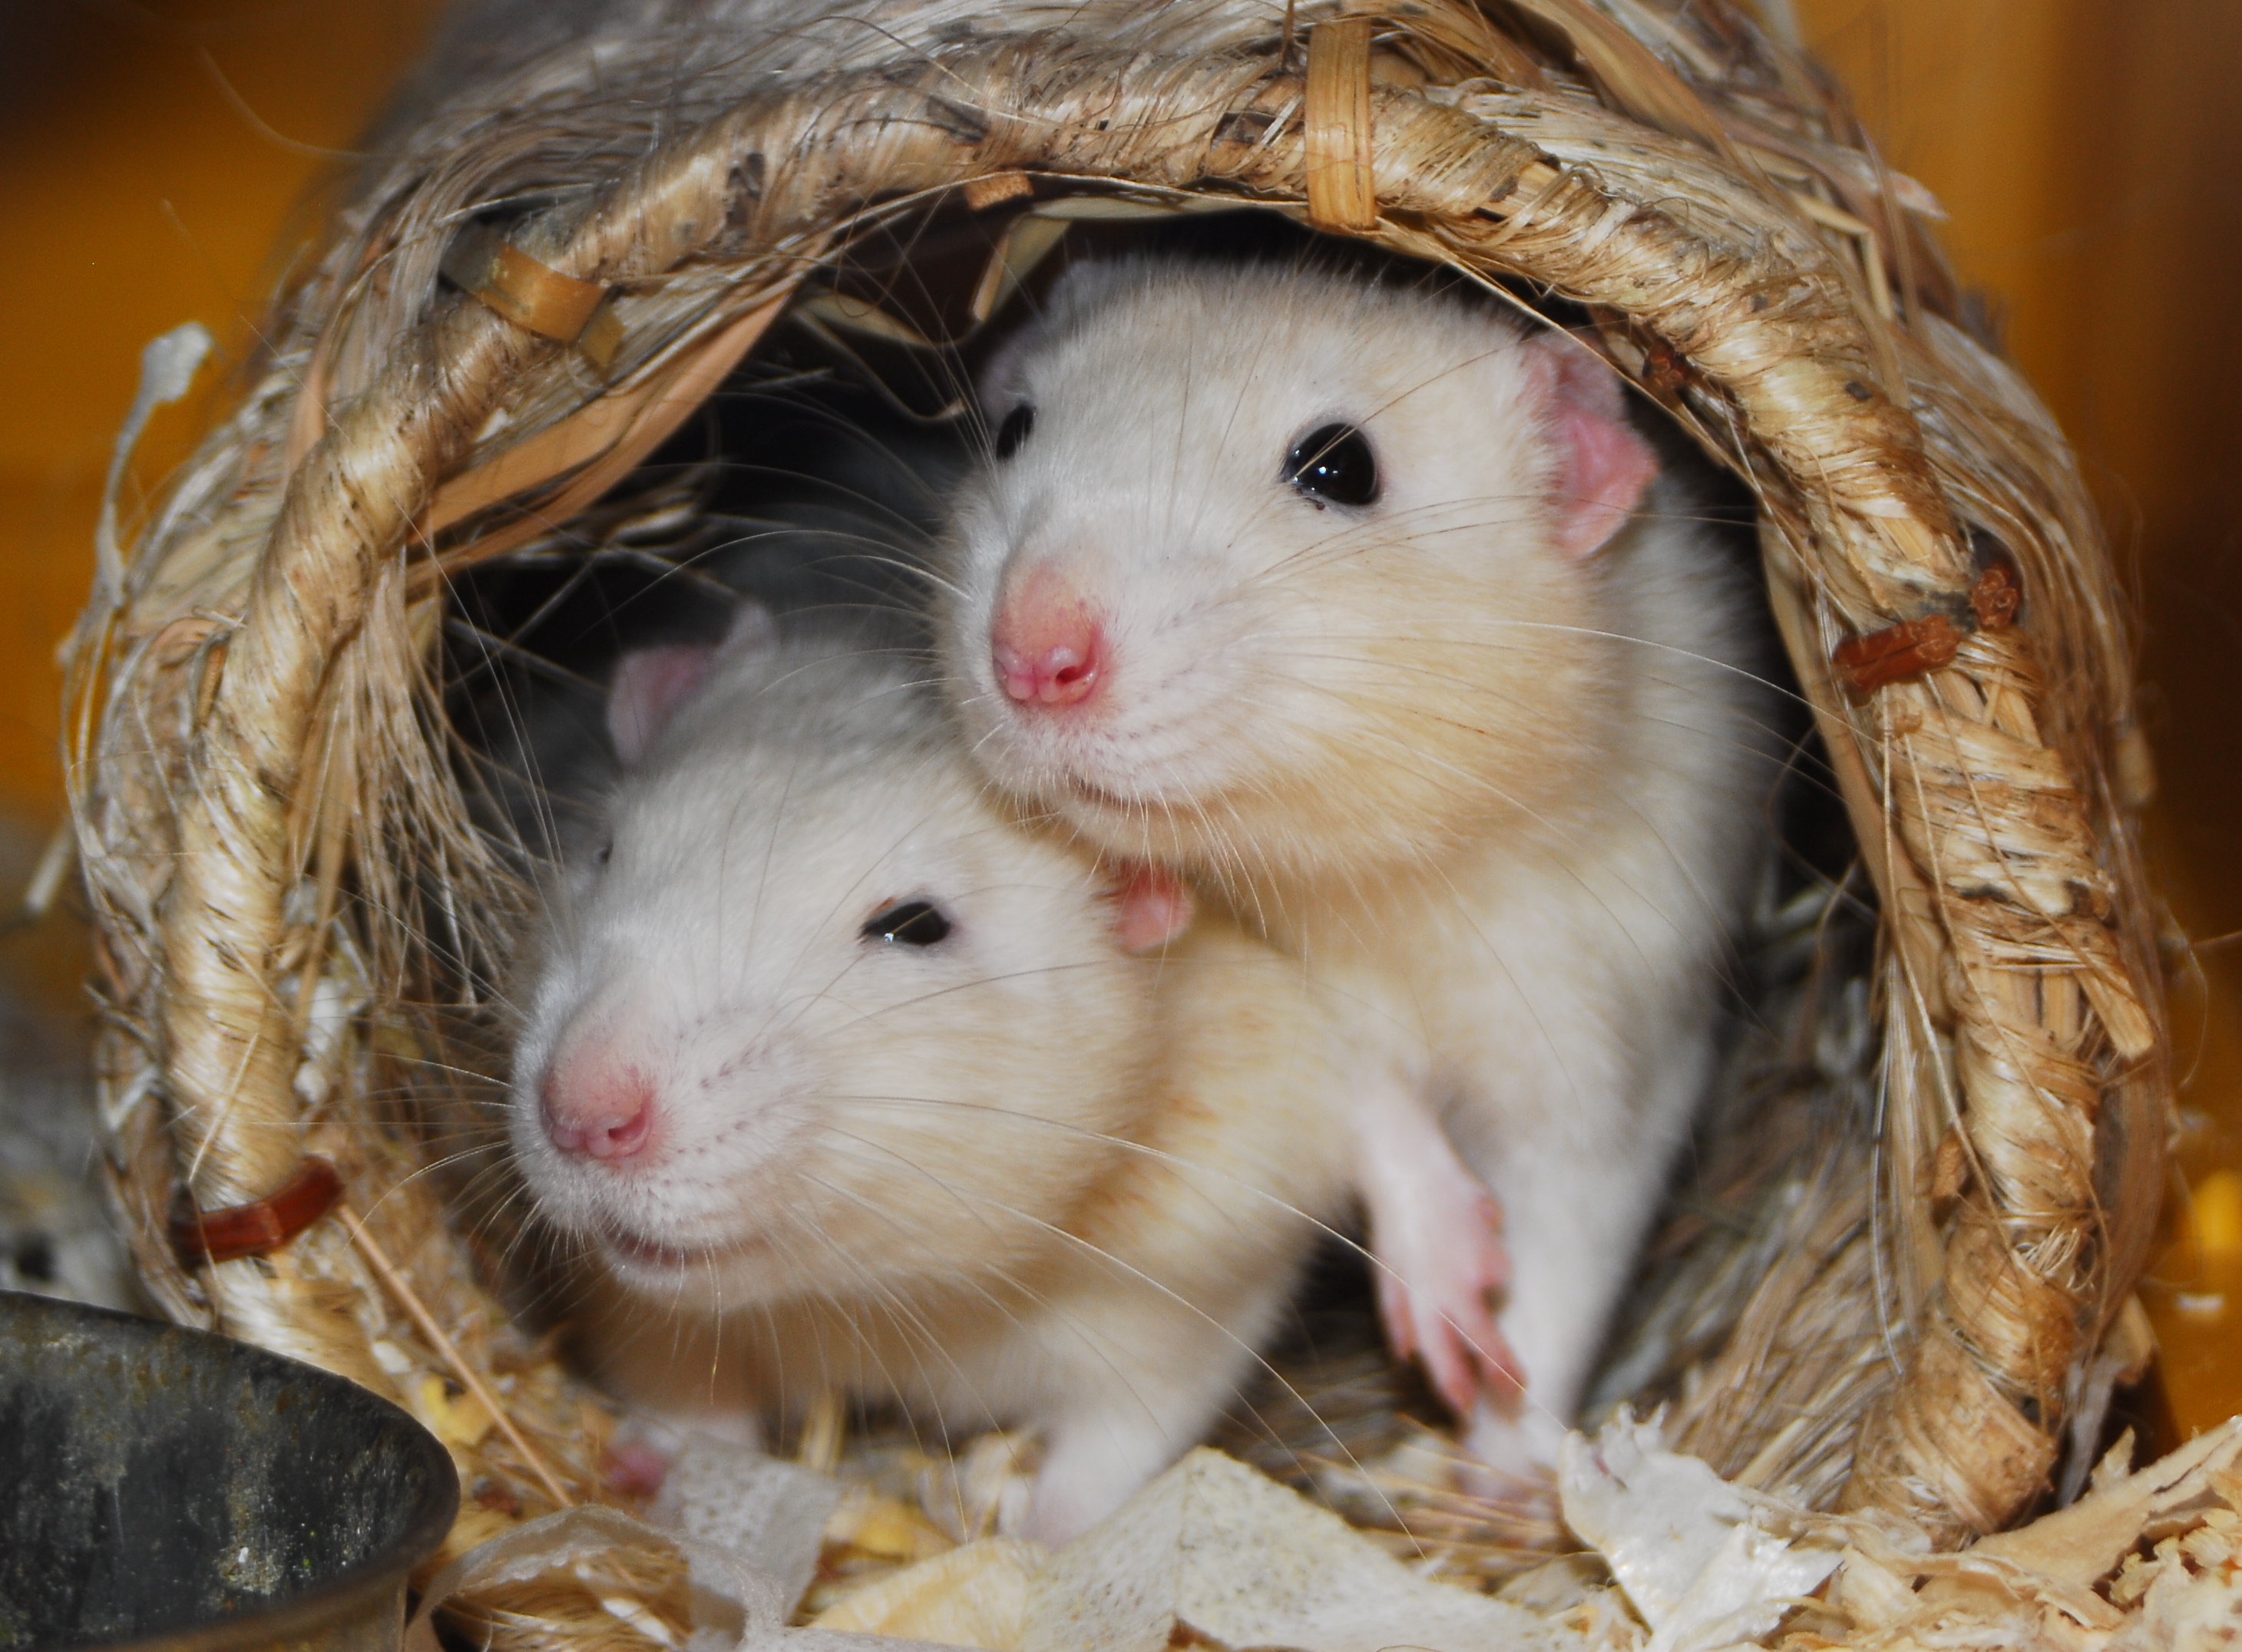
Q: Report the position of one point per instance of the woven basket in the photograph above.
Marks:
(297, 923)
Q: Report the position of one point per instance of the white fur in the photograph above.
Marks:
(1504, 800)
(1019, 1177)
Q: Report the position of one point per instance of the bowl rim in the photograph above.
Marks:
(353, 1588)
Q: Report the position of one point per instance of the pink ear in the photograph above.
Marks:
(1153, 907)
(649, 686)
(1603, 465)
(753, 628)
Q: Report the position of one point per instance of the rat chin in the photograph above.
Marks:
(724, 1275)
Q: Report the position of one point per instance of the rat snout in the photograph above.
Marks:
(596, 1106)
(1047, 640)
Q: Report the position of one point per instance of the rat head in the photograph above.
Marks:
(814, 1015)
(1266, 569)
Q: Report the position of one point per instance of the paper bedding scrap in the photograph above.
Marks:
(1213, 1555)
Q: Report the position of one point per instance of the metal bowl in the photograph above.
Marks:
(168, 1488)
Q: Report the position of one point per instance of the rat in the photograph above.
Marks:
(845, 1076)
(1367, 608)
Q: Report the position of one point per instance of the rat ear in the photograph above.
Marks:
(1081, 287)
(1603, 463)
(999, 381)
(752, 631)
(651, 685)
(1152, 907)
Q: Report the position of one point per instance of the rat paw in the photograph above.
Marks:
(1513, 1462)
(1436, 1242)
(634, 1469)
(1436, 1277)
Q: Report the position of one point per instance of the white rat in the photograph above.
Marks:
(850, 1080)
(1361, 604)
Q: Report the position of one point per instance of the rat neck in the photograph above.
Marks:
(1360, 911)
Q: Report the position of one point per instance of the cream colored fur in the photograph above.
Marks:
(1502, 800)
(1019, 1177)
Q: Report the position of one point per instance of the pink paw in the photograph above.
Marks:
(1439, 1266)
(634, 1468)
(1436, 1238)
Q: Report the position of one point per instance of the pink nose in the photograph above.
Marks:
(1046, 642)
(596, 1113)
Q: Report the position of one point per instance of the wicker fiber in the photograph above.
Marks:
(296, 919)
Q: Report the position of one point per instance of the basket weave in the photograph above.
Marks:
(295, 919)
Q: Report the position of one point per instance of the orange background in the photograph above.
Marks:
(2088, 152)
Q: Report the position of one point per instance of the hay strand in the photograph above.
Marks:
(470, 1379)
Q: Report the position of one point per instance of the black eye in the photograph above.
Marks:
(1014, 430)
(1334, 463)
(603, 853)
(912, 922)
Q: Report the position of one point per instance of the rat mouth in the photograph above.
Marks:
(1150, 772)
(636, 1251)
(640, 1252)
(1098, 797)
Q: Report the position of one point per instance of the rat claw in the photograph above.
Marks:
(1464, 1352)
(1393, 1312)
(1485, 1364)
(1501, 1378)
(1453, 1378)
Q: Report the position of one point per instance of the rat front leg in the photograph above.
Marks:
(1129, 1417)
(1140, 1376)
(1094, 1462)
(1138, 1380)
(1436, 1246)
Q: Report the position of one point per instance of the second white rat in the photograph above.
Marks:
(1367, 608)
(850, 1081)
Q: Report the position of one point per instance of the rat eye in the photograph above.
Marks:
(912, 922)
(1014, 430)
(1334, 463)
(604, 853)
